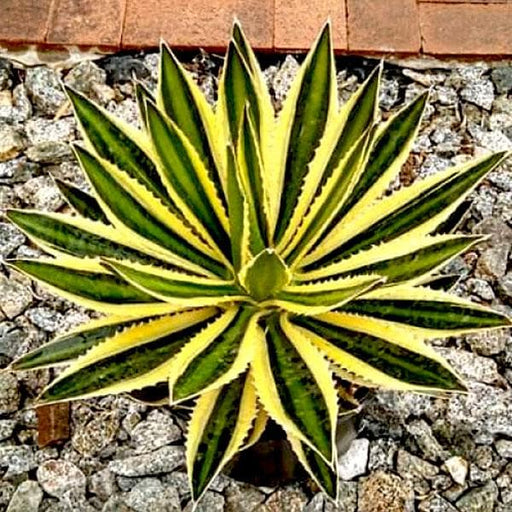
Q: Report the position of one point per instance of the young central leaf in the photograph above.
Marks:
(265, 275)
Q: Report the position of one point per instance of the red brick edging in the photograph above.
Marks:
(411, 27)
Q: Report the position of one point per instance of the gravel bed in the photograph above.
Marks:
(412, 452)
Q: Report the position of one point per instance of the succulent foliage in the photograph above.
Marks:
(244, 258)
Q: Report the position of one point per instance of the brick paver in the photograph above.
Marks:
(297, 21)
(24, 21)
(460, 29)
(377, 26)
(469, 28)
(204, 23)
(81, 22)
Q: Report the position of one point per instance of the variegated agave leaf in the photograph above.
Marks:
(243, 259)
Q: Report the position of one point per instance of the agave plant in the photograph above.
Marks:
(246, 259)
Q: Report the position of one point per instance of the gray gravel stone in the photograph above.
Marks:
(354, 462)
(489, 343)
(410, 466)
(10, 239)
(284, 77)
(11, 143)
(484, 409)
(45, 318)
(480, 92)
(163, 460)
(41, 193)
(9, 393)
(85, 77)
(422, 433)
(17, 460)
(44, 89)
(502, 78)
(347, 499)
(17, 170)
(480, 288)
(6, 429)
(19, 109)
(150, 494)
(436, 503)
(156, 431)
(480, 499)
(116, 504)
(49, 152)
(241, 497)
(505, 288)
(382, 454)
(40, 130)
(7, 490)
(472, 366)
(102, 484)
(289, 498)
(27, 498)
(60, 477)
(15, 297)
(317, 504)
(5, 74)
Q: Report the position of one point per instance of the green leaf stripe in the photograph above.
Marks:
(393, 360)
(179, 104)
(416, 263)
(70, 346)
(241, 91)
(114, 145)
(360, 118)
(308, 126)
(217, 434)
(415, 212)
(298, 390)
(215, 360)
(236, 210)
(161, 285)
(143, 95)
(428, 314)
(252, 169)
(133, 215)
(178, 167)
(82, 202)
(330, 296)
(333, 201)
(72, 240)
(94, 286)
(387, 148)
(122, 366)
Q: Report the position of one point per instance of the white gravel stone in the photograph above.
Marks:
(458, 468)
(27, 498)
(504, 448)
(355, 461)
(164, 460)
(59, 477)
